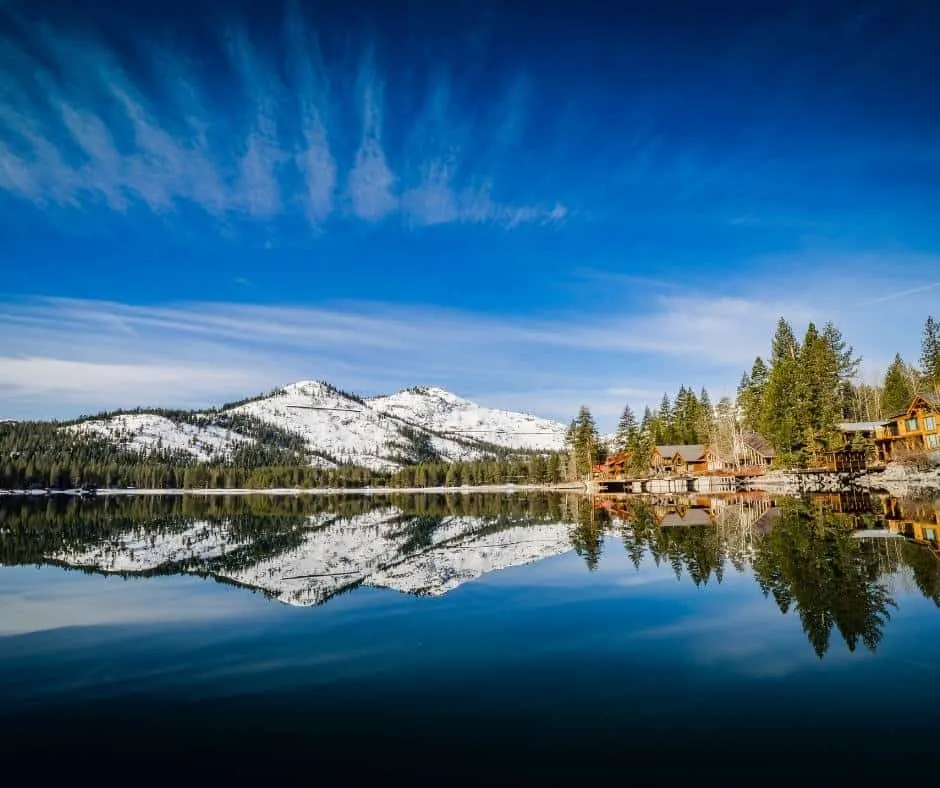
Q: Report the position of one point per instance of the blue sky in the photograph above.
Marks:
(588, 204)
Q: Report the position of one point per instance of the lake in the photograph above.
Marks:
(470, 637)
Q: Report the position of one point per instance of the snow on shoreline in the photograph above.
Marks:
(117, 491)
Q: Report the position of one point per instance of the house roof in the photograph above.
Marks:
(930, 397)
(758, 443)
(860, 426)
(692, 452)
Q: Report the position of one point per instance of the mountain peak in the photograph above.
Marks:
(434, 391)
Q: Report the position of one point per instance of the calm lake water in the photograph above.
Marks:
(470, 637)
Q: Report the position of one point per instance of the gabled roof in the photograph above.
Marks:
(758, 443)
(931, 398)
(693, 452)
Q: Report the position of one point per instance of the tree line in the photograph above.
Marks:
(43, 455)
(795, 399)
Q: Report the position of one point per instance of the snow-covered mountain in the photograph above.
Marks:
(384, 548)
(381, 433)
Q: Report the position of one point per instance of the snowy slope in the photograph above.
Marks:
(438, 410)
(376, 549)
(138, 551)
(146, 432)
(378, 433)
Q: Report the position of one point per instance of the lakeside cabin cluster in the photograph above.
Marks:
(913, 433)
(750, 454)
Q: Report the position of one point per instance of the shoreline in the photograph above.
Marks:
(283, 491)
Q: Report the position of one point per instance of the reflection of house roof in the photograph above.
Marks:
(758, 443)
(860, 426)
(767, 522)
(691, 517)
(690, 453)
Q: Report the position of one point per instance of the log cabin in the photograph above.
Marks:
(680, 459)
(915, 431)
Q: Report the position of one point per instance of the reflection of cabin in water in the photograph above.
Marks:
(751, 511)
(852, 501)
(918, 521)
(686, 517)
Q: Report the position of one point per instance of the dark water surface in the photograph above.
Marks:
(470, 638)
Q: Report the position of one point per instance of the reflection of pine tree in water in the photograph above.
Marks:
(926, 569)
(830, 578)
(696, 549)
(419, 533)
(588, 533)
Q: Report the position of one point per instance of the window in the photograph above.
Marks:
(911, 425)
(930, 423)
(933, 441)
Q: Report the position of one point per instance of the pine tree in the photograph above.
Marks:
(751, 392)
(664, 424)
(706, 417)
(626, 429)
(897, 393)
(819, 396)
(847, 364)
(930, 354)
(583, 441)
(781, 402)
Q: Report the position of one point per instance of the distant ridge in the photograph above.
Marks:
(333, 427)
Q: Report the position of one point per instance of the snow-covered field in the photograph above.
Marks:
(370, 433)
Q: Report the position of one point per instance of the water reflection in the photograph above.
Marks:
(838, 562)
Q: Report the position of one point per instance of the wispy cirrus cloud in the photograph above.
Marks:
(252, 131)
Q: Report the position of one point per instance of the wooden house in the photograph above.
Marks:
(614, 467)
(679, 459)
(748, 450)
(752, 448)
(915, 431)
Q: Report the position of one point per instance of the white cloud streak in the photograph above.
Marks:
(101, 354)
(80, 130)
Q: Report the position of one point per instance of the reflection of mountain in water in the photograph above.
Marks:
(417, 554)
(837, 562)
